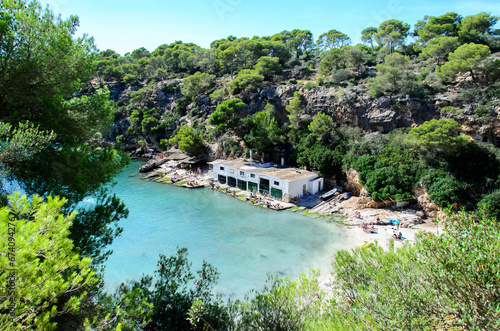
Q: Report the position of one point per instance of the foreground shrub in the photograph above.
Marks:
(448, 280)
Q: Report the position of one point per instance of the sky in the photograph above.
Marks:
(125, 25)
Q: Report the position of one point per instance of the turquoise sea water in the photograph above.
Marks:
(243, 241)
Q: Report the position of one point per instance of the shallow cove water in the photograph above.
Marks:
(244, 242)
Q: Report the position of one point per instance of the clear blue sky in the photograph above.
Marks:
(125, 25)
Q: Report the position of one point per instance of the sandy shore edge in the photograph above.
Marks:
(353, 215)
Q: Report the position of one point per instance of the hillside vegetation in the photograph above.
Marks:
(393, 109)
(317, 100)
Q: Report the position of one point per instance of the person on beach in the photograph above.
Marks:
(370, 229)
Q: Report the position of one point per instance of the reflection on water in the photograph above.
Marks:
(244, 242)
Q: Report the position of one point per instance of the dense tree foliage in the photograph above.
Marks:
(267, 66)
(439, 135)
(227, 114)
(188, 140)
(446, 280)
(197, 84)
(333, 38)
(52, 124)
(432, 27)
(391, 167)
(43, 280)
(393, 75)
(464, 59)
(438, 49)
(42, 66)
(247, 80)
(392, 33)
(489, 205)
(265, 132)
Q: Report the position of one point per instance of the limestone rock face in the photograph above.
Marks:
(116, 90)
(352, 106)
(431, 209)
(352, 183)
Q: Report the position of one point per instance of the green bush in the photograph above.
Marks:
(129, 78)
(267, 66)
(149, 124)
(218, 94)
(341, 76)
(489, 205)
(443, 188)
(321, 158)
(390, 183)
(188, 140)
(309, 85)
(226, 116)
(451, 109)
(365, 164)
(248, 80)
(439, 136)
(432, 285)
(197, 84)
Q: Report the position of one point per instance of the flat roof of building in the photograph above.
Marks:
(286, 174)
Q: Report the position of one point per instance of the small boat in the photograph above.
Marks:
(193, 186)
(175, 180)
(329, 194)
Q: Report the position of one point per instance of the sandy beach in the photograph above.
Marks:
(352, 214)
(352, 210)
(410, 223)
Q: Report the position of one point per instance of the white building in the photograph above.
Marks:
(280, 183)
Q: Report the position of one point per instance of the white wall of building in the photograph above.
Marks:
(296, 188)
(315, 185)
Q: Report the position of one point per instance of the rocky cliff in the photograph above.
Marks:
(351, 106)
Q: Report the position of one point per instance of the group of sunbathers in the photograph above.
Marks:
(371, 229)
(397, 236)
(268, 204)
(368, 229)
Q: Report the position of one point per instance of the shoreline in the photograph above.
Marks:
(351, 214)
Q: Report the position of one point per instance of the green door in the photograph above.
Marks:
(264, 189)
(276, 193)
(242, 185)
(253, 187)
